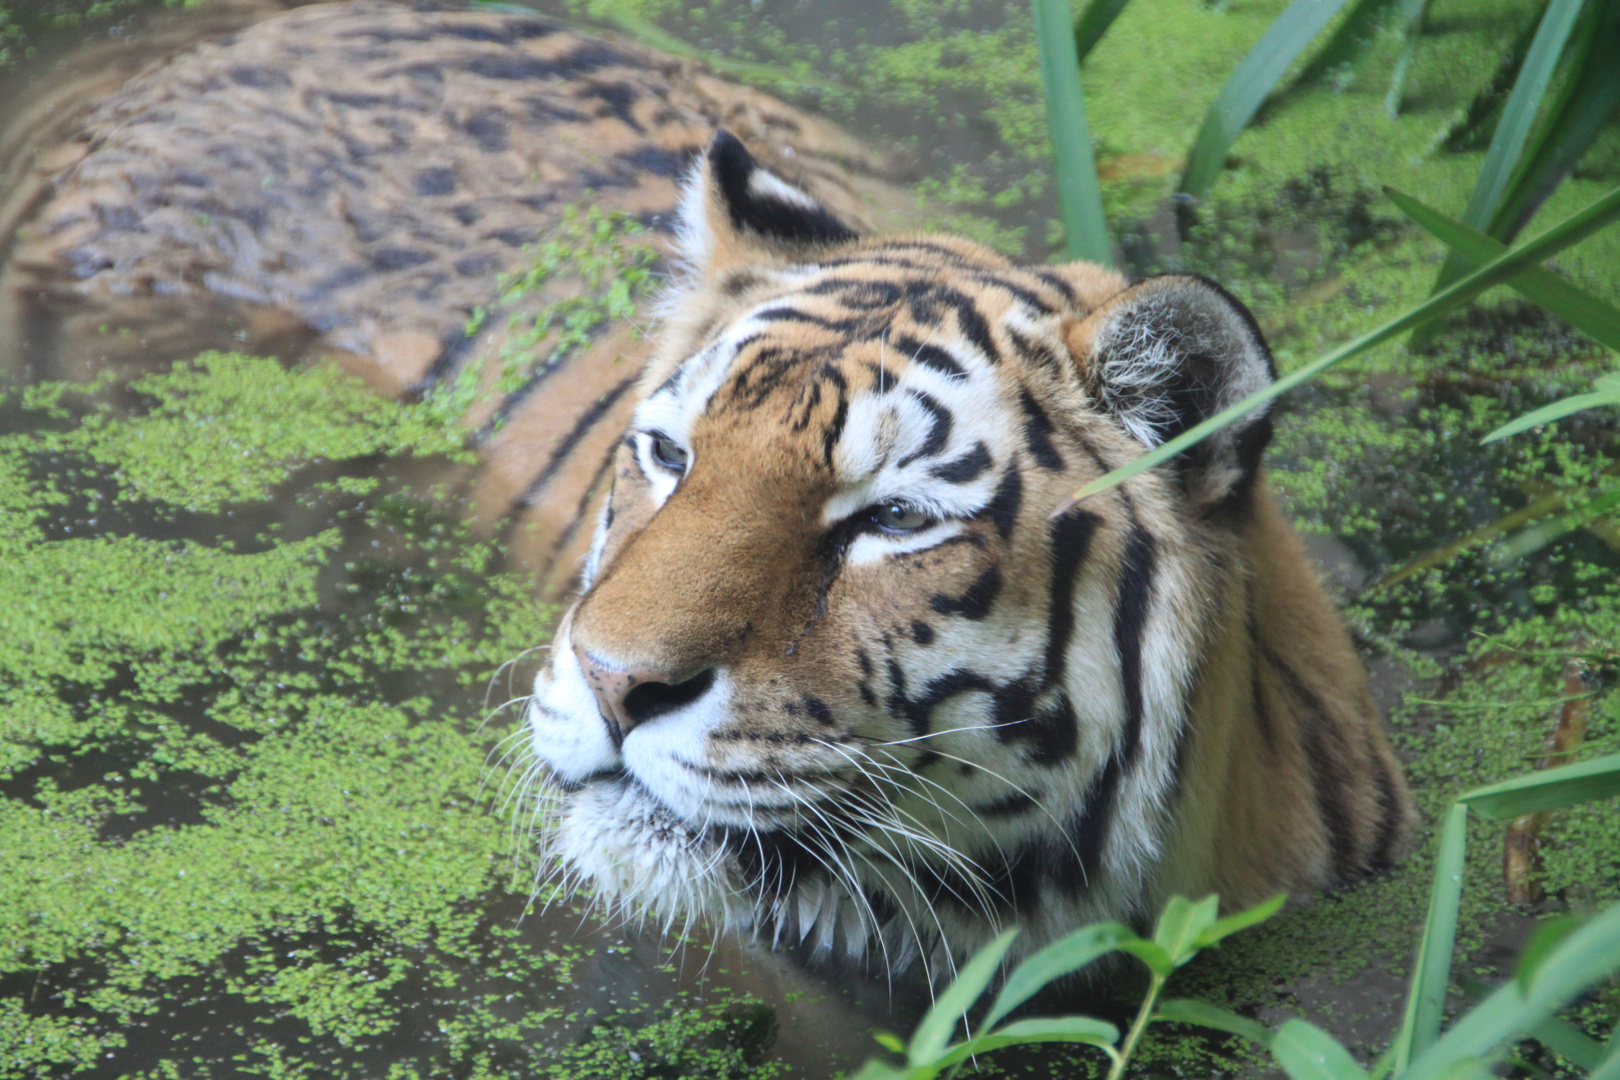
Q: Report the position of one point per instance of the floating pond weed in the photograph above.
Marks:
(247, 831)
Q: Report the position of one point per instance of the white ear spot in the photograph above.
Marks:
(767, 185)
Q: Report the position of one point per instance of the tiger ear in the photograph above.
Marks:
(733, 210)
(1170, 352)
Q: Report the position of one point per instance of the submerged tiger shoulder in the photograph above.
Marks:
(836, 675)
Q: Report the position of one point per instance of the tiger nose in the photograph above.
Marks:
(630, 695)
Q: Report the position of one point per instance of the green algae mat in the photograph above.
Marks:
(247, 811)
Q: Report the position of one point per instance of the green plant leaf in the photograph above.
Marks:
(1158, 961)
(889, 1041)
(1548, 936)
(1538, 536)
(934, 1033)
(1182, 923)
(1072, 1029)
(1093, 24)
(1065, 956)
(1550, 789)
(1606, 392)
(1413, 14)
(1555, 1034)
(1241, 920)
(1079, 193)
(878, 1070)
(1586, 98)
(1513, 129)
(1591, 315)
(1425, 1001)
(1610, 1069)
(1581, 959)
(1249, 86)
(1186, 1011)
(1356, 33)
(1570, 231)
(1306, 1052)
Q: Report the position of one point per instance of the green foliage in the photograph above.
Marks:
(1563, 960)
(1079, 195)
(247, 827)
(1500, 269)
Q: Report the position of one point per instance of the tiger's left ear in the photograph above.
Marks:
(1168, 353)
(733, 210)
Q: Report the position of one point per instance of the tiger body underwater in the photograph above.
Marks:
(837, 677)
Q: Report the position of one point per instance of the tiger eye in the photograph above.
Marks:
(670, 454)
(899, 518)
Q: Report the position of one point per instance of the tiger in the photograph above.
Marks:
(837, 676)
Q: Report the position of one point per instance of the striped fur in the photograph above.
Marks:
(836, 676)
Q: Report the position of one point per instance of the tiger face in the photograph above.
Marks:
(837, 675)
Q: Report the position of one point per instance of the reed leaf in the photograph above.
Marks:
(1491, 188)
(1426, 1000)
(1502, 268)
(1605, 391)
(1551, 789)
(1079, 192)
(1413, 13)
(1591, 315)
(1586, 99)
(1249, 86)
(928, 1042)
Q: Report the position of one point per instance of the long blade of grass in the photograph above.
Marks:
(1472, 130)
(1425, 1002)
(1502, 268)
(1356, 33)
(1538, 536)
(1584, 957)
(1550, 789)
(1595, 317)
(1079, 193)
(1249, 86)
(1513, 129)
(1587, 97)
(1093, 24)
(1414, 13)
(1188, 1011)
(1555, 1034)
(1610, 1069)
(1556, 411)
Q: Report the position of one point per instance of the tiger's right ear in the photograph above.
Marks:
(1167, 353)
(734, 211)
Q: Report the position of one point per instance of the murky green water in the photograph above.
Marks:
(252, 659)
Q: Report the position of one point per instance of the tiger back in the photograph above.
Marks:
(838, 675)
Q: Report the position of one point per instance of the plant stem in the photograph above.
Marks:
(1138, 1026)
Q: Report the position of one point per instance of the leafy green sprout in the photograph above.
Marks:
(1562, 960)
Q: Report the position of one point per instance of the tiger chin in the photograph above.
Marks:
(837, 677)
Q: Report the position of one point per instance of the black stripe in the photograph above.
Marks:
(938, 433)
(1036, 352)
(731, 166)
(1071, 866)
(929, 356)
(1130, 624)
(974, 604)
(566, 535)
(1393, 817)
(1057, 282)
(1003, 509)
(1327, 783)
(1010, 806)
(1038, 431)
(1071, 541)
(918, 711)
(582, 428)
(1031, 299)
(965, 469)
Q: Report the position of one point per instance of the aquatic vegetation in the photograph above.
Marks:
(247, 830)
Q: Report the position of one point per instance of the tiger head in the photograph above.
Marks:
(836, 673)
